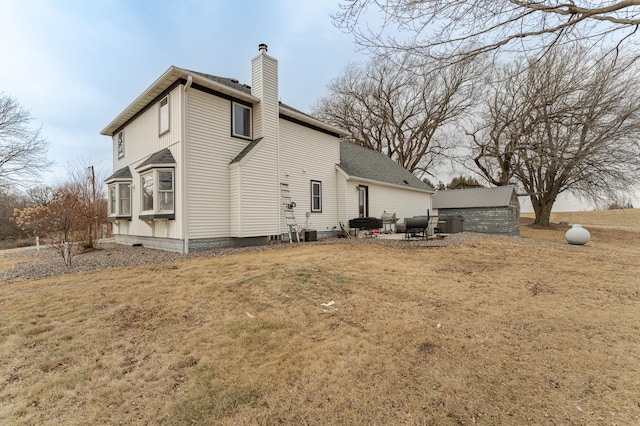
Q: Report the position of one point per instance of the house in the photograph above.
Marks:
(486, 210)
(202, 161)
(381, 184)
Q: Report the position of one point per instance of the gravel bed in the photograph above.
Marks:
(48, 263)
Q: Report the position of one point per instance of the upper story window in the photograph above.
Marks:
(241, 118)
(120, 145)
(164, 115)
(316, 196)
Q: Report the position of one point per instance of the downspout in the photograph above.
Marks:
(183, 172)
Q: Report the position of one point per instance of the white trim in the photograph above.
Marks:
(234, 105)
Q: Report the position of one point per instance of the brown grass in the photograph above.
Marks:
(496, 331)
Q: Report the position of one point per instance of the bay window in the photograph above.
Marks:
(157, 193)
(120, 200)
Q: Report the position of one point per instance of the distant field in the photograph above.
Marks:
(615, 219)
(494, 331)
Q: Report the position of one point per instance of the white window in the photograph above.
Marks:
(164, 115)
(316, 196)
(147, 191)
(157, 191)
(124, 197)
(120, 199)
(165, 190)
(120, 145)
(112, 199)
(241, 126)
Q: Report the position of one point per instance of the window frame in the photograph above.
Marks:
(161, 191)
(120, 145)
(120, 199)
(162, 130)
(113, 197)
(114, 202)
(143, 176)
(316, 184)
(235, 134)
(156, 211)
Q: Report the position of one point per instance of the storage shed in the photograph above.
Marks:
(486, 210)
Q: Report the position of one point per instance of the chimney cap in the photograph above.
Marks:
(262, 47)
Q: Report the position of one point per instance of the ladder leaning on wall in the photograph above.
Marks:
(290, 217)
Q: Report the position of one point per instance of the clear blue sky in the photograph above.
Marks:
(76, 64)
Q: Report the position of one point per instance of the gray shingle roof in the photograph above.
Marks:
(474, 197)
(160, 157)
(247, 149)
(123, 173)
(235, 84)
(229, 82)
(365, 163)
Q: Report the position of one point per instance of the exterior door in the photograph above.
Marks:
(363, 201)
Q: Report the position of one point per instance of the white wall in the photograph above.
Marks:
(210, 150)
(141, 140)
(306, 155)
(392, 199)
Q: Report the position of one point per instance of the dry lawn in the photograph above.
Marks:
(496, 331)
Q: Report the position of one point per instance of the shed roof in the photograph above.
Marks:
(474, 197)
(365, 163)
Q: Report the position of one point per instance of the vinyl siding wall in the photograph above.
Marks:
(210, 150)
(141, 140)
(258, 206)
(402, 202)
(306, 155)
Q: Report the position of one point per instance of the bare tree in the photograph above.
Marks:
(568, 121)
(71, 216)
(40, 195)
(399, 107)
(9, 230)
(22, 148)
(456, 29)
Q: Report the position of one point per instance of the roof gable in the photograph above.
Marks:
(474, 197)
(222, 86)
(365, 163)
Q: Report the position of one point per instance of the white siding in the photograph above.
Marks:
(402, 202)
(258, 209)
(142, 134)
(210, 150)
(141, 140)
(235, 176)
(306, 155)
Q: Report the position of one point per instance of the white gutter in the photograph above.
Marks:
(183, 166)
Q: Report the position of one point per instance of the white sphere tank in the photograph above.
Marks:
(577, 235)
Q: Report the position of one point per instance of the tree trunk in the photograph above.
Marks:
(542, 205)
